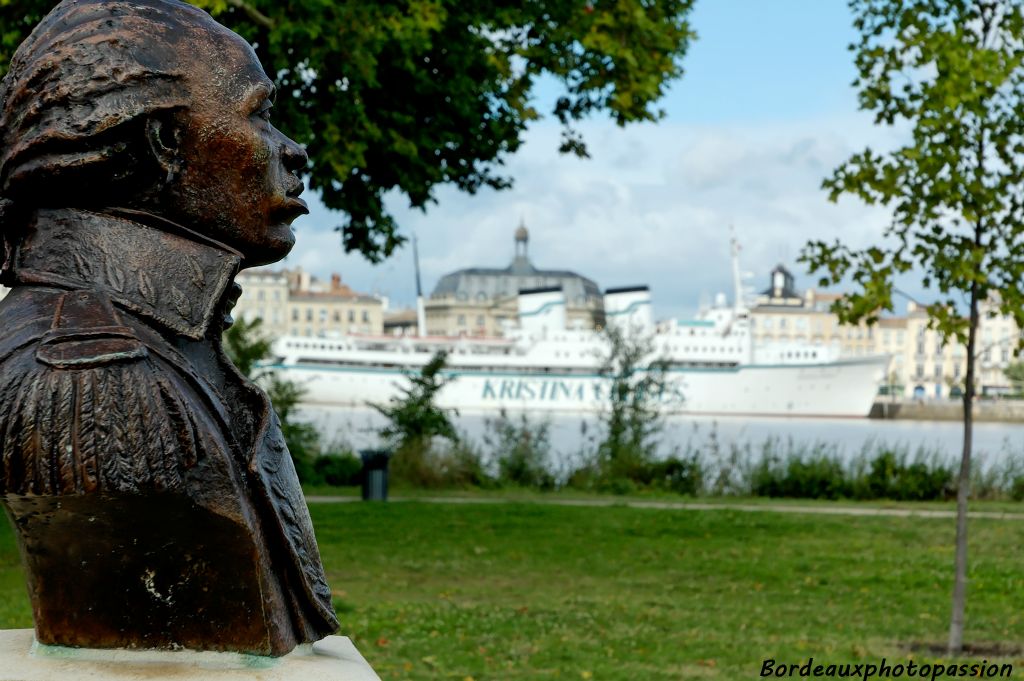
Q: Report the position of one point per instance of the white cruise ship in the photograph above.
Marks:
(540, 365)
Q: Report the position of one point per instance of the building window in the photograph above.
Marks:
(309, 314)
(351, 316)
(337, 315)
(782, 323)
(919, 373)
(260, 295)
(366, 316)
(461, 321)
(480, 320)
(295, 315)
(323, 315)
(938, 372)
(277, 295)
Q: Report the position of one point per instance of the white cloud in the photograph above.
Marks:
(653, 206)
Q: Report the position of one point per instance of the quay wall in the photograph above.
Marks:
(996, 411)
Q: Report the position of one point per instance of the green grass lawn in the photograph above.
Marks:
(529, 495)
(528, 591)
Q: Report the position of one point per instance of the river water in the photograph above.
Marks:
(994, 443)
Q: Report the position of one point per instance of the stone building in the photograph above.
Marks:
(922, 366)
(781, 313)
(400, 322)
(480, 301)
(264, 296)
(294, 302)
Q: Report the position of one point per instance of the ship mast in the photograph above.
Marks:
(739, 306)
(421, 312)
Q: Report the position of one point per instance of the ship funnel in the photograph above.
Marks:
(541, 310)
(629, 309)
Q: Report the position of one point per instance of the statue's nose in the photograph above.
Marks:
(293, 156)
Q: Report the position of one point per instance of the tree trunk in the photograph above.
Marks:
(956, 624)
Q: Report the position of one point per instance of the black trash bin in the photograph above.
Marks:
(375, 474)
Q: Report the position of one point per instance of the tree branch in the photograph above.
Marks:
(253, 13)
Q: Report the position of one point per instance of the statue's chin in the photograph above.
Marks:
(278, 245)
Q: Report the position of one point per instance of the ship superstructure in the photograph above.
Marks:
(711, 365)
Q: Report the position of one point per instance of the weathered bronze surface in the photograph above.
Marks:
(154, 499)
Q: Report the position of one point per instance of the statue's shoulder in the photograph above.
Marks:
(87, 332)
(86, 405)
(66, 329)
(26, 314)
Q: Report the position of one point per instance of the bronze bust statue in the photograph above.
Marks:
(153, 497)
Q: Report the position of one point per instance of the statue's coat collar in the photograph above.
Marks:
(182, 290)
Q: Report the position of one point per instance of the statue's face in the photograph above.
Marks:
(237, 176)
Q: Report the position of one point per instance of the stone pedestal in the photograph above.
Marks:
(22, 659)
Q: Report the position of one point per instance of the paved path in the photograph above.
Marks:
(695, 506)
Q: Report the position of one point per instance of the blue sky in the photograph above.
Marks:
(759, 61)
(763, 113)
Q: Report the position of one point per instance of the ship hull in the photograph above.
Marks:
(844, 388)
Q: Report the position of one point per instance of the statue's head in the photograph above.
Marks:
(151, 105)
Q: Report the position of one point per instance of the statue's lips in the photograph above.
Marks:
(291, 208)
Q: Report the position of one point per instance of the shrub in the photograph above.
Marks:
(800, 474)
(684, 476)
(436, 463)
(890, 477)
(338, 470)
(1017, 488)
(520, 448)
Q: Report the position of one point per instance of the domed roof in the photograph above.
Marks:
(522, 234)
(484, 283)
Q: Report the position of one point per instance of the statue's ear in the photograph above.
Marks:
(163, 135)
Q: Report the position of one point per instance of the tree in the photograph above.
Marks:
(952, 73)
(636, 384)
(414, 420)
(407, 95)
(246, 345)
(1014, 373)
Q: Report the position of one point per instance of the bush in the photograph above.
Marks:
(338, 470)
(821, 474)
(891, 478)
(813, 477)
(462, 465)
(520, 448)
(684, 476)
(436, 464)
(1017, 489)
